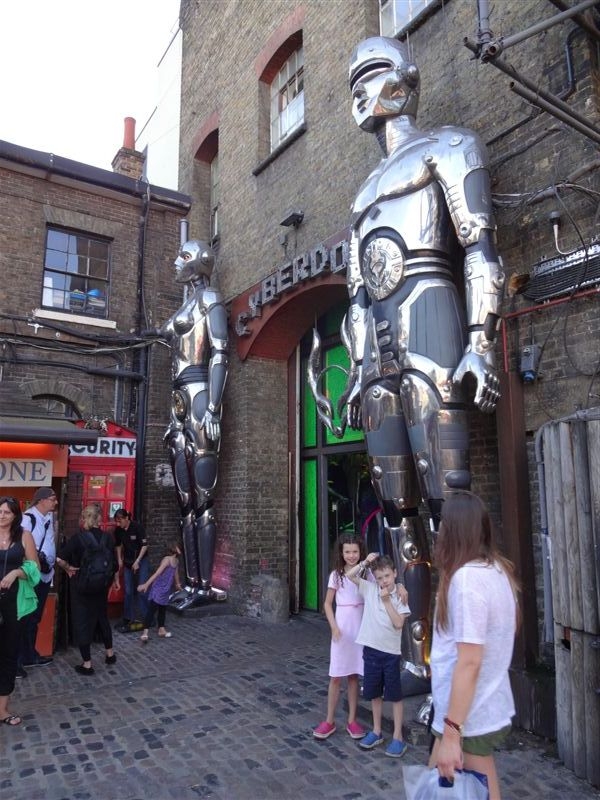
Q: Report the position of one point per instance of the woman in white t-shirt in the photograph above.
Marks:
(474, 629)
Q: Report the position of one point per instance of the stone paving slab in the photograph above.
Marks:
(224, 710)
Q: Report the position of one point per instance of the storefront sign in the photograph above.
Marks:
(301, 269)
(25, 472)
(106, 447)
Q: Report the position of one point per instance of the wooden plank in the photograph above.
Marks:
(589, 589)
(591, 686)
(550, 514)
(578, 702)
(560, 584)
(593, 432)
(572, 565)
(564, 729)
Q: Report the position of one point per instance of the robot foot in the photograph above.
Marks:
(424, 712)
(192, 597)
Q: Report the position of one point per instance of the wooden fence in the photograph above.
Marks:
(571, 450)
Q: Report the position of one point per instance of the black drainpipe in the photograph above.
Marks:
(142, 389)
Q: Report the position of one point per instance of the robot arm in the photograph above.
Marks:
(216, 317)
(354, 332)
(460, 165)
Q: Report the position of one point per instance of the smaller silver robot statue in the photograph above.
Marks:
(422, 233)
(198, 336)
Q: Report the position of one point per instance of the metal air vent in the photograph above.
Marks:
(554, 277)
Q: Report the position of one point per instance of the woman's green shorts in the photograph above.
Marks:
(483, 745)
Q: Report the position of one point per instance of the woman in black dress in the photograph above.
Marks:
(89, 611)
(16, 546)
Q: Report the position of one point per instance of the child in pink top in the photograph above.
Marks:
(346, 656)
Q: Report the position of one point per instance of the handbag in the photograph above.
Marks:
(421, 783)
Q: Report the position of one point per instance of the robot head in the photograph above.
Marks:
(195, 260)
(384, 82)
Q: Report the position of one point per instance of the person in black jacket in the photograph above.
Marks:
(132, 549)
(89, 610)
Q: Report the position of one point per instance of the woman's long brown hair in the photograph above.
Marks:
(466, 534)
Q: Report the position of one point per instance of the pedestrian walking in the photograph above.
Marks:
(132, 554)
(160, 585)
(380, 634)
(473, 637)
(345, 659)
(90, 561)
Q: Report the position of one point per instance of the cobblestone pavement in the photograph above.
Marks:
(222, 711)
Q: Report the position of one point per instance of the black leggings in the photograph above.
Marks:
(160, 611)
(105, 632)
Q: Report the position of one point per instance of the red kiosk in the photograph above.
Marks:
(107, 470)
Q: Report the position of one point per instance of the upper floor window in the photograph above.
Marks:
(57, 406)
(287, 98)
(397, 15)
(76, 273)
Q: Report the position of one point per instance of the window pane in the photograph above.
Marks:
(78, 280)
(287, 98)
(117, 483)
(98, 250)
(395, 15)
(97, 268)
(55, 258)
(57, 240)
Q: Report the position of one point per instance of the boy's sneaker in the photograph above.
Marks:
(371, 740)
(396, 748)
(324, 729)
(355, 730)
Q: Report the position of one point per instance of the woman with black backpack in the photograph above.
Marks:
(90, 561)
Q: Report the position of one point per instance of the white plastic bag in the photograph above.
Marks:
(421, 783)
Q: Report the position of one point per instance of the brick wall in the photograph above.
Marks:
(223, 42)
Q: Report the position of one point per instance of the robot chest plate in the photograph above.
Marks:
(382, 267)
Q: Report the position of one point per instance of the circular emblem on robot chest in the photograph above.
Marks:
(179, 405)
(382, 267)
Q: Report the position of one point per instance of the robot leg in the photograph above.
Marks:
(439, 437)
(408, 543)
(205, 538)
(395, 483)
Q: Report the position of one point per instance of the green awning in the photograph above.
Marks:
(44, 430)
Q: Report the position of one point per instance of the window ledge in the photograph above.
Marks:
(300, 130)
(79, 319)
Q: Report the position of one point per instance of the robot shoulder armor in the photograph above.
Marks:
(452, 139)
(212, 297)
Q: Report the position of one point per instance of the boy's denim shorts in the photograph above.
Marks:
(382, 675)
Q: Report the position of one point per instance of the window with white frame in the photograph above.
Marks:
(287, 98)
(214, 198)
(396, 15)
(76, 273)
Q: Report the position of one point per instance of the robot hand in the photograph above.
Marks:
(481, 367)
(353, 411)
(171, 431)
(212, 424)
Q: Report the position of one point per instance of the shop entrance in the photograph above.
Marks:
(336, 496)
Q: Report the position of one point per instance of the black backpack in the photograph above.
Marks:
(97, 568)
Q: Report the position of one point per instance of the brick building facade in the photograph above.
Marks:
(254, 178)
(86, 257)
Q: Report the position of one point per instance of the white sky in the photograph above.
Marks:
(72, 70)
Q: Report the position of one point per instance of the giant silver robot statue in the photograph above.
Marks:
(198, 336)
(422, 226)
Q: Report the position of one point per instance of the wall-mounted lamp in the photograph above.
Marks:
(292, 219)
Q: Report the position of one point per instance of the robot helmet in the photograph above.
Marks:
(195, 260)
(383, 80)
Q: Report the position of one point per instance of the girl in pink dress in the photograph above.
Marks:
(346, 656)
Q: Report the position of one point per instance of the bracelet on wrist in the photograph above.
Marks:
(454, 725)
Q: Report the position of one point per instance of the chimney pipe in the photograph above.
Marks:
(129, 137)
(183, 231)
